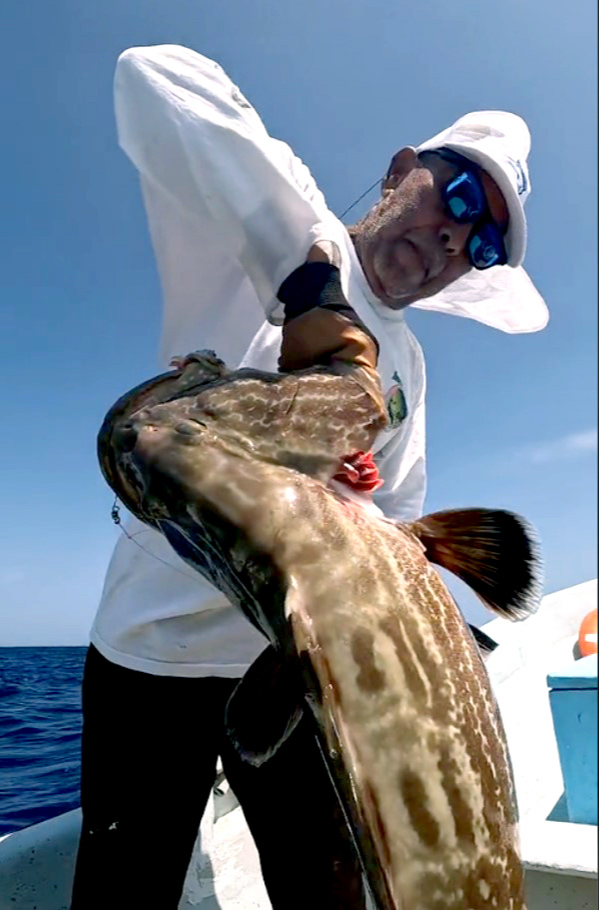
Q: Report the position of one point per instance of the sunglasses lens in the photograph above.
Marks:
(458, 208)
(486, 247)
(465, 199)
(466, 203)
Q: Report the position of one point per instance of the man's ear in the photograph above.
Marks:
(402, 163)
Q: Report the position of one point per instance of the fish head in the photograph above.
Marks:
(298, 420)
(118, 431)
(169, 470)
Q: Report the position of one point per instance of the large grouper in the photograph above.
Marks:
(234, 469)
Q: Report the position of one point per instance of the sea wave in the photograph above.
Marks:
(40, 731)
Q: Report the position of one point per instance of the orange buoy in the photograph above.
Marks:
(587, 636)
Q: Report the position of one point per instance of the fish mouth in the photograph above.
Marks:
(117, 454)
(119, 420)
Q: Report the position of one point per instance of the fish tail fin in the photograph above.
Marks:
(494, 552)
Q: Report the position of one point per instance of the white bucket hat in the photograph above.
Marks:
(503, 297)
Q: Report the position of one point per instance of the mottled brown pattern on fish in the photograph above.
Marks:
(414, 795)
(288, 416)
(403, 695)
(443, 708)
(489, 885)
(369, 677)
(424, 665)
(515, 871)
(461, 809)
(392, 626)
(492, 875)
(472, 703)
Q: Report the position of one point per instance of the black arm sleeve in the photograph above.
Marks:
(317, 284)
(312, 284)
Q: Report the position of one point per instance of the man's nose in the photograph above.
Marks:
(454, 236)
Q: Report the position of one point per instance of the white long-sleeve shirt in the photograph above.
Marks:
(232, 212)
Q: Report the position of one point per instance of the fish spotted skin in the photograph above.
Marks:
(402, 703)
(259, 415)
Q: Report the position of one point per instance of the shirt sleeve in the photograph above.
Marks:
(189, 131)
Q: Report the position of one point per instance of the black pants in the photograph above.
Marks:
(149, 752)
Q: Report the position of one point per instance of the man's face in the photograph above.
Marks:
(408, 246)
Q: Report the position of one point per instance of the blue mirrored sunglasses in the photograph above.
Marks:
(465, 202)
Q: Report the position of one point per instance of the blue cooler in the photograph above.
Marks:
(573, 699)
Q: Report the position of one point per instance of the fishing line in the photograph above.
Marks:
(116, 517)
(359, 199)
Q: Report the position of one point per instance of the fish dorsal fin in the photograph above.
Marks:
(494, 552)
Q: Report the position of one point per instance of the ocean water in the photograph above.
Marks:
(40, 733)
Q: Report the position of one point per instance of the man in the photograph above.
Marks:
(233, 213)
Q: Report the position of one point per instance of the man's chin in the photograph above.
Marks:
(397, 299)
(391, 295)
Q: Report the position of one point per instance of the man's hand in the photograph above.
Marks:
(325, 251)
(320, 326)
(322, 336)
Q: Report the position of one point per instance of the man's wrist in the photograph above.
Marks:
(313, 284)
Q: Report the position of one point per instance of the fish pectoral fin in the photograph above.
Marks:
(494, 552)
(264, 709)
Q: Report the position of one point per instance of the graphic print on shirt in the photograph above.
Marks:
(395, 401)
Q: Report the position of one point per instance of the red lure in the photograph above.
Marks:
(359, 472)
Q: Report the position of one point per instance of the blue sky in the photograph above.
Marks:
(512, 420)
